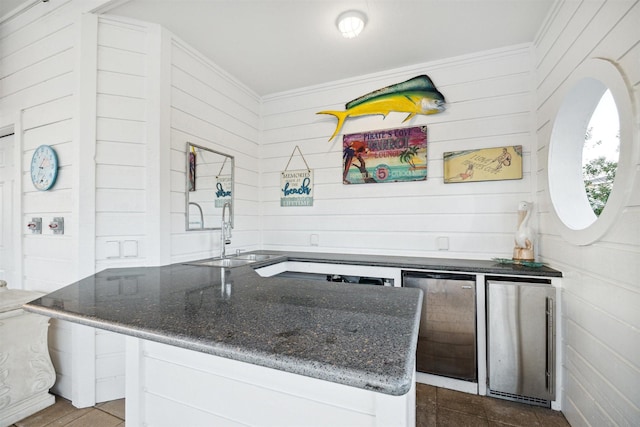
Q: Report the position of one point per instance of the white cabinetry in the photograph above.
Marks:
(170, 386)
(391, 275)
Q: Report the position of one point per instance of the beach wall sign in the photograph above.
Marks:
(223, 190)
(296, 186)
(484, 164)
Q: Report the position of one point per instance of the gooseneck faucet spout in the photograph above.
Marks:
(225, 229)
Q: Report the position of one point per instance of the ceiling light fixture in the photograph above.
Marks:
(351, 23)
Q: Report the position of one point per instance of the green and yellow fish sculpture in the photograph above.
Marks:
(414, 96)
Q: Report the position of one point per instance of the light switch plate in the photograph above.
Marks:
(443, 243)
(130, 248)
(112, 249)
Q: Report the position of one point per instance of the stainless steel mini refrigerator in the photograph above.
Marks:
(447, 337)
(520, 341)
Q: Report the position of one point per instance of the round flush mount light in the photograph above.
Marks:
(351, 23)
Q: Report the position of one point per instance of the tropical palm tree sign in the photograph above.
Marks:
(389, 155)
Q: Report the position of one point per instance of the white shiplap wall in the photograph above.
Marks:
(123, 136)
(100, 91)
(37, 80)
(211, 109)
(122, 140)
(601, 292)
(39, 53)
(490, 103)
(154, 93)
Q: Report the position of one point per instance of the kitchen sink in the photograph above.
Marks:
(233, 261)
(226, 262)
(255, 257)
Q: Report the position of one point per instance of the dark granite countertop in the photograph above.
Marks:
(436, 264)
(359, 335)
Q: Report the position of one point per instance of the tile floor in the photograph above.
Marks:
(436, 407)
(440, 407)
(62, 413)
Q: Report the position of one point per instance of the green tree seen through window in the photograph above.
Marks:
(598, 175)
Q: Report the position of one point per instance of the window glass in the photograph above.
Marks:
(600, 152)
(592, 155)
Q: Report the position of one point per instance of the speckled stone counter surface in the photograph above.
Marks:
(435, 264)
(359, 335)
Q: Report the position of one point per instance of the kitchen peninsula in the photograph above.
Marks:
(225, 346)
(206, 344)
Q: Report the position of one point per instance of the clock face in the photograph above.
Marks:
(44, 167)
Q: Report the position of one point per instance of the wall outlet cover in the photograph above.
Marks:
(442, 243)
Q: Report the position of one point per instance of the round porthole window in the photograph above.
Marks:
(591, 152)
(600, 153)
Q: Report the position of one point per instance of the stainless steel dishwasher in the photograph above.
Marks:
(447, 336)
(520, 341)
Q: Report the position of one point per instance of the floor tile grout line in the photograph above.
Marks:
(108, 413)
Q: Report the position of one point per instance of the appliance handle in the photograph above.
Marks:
(444, 276)
(550, 348)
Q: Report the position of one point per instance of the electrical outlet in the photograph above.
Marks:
(443, 243)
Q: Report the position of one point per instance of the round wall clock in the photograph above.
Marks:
(44, 167)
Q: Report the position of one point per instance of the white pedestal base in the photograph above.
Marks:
(26, 372)
(26, 408)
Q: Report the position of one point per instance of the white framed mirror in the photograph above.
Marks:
(209, 185)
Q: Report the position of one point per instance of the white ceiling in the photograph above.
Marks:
(278, 45)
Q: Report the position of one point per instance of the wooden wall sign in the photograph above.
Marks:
(296, 186)
(484, 164)
(389, 155)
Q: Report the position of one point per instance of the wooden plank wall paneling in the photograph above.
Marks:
(601, 290)
(211, 109)
(490, 103)
(37, 80)
(122, 123)
(197, 403)
(39, 55)
(121, 138)
(110, 366)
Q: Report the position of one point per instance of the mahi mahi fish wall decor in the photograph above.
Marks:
(414, 96)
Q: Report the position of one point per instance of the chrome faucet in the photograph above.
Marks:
(225, 229)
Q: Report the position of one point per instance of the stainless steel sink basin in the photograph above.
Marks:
(227, 262)
(234, 261)
(254, 257)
